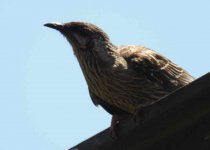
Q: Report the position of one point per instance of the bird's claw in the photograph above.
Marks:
(139, 113)
(114, 125)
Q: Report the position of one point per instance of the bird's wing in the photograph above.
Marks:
(155, 67)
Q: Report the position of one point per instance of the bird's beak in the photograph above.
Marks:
(55, 25)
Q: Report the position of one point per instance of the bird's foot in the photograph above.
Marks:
(139, 114)
(115, 123)
(113, 128)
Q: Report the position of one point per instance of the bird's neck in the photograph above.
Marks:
(106, 53)
(103, 58)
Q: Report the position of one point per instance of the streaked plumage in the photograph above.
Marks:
(143, 78)
(121, 79)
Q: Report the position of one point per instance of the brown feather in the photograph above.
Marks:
(121, 79)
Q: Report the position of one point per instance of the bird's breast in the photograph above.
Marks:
(124, 90)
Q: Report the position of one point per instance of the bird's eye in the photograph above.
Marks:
(90, 43)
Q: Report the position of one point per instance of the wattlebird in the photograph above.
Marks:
(121, 79)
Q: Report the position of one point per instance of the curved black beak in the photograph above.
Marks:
(55, 25)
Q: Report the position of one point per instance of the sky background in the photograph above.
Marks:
(44, 101)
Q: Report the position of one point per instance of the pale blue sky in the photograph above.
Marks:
(44, 101)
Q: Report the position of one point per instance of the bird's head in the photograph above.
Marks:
(91, 45)
(84, 37)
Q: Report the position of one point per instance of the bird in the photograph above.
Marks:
(121, 79)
